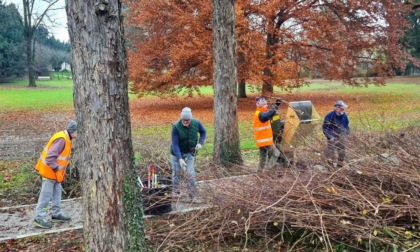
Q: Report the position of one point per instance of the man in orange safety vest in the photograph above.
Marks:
(263, 132)
(51, 166)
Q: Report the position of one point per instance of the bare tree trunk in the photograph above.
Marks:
(30, 50)
(29, 31)
(267, 87)
(242, 89)
(274, 23)
(112, 210)
(226, 138)
(33, 15)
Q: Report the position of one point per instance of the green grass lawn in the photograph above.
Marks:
(58, 93)
(339, 87)
(50, 94)
(393, 106)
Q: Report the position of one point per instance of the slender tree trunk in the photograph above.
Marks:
(112, 210)
(242, 88)
(226, 138)
(267, 87)
(30, 49)
(29, 31)
(274, 24)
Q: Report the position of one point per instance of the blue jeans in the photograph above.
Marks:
(177, 173)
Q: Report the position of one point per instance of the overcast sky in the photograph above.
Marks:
(59, 30)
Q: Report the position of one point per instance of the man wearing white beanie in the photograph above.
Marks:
(185, 143)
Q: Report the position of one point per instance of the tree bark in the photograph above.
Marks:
(242, 88)
(267, 87)
(112, 210)
(226, 138)
(30, 51)
(29, 31)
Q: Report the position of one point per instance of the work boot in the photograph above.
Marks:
(42, 223)
(176, 194)
(196, 200)
(60, 218)
(330, 162)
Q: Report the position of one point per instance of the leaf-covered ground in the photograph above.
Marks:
(71, 241)
(24, 132)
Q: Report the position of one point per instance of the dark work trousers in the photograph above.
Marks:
(338, 145)
(268, 152)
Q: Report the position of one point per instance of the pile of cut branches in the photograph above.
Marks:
(371, 203)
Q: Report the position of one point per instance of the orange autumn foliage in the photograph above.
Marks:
(279, 43)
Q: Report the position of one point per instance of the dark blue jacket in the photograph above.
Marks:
(335, 125)
(265, 116)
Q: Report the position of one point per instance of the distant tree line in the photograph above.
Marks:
(50, 52)
(279, 43)
(411, 39)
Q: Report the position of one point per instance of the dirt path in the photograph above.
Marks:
(17, 222)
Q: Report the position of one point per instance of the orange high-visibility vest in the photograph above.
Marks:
(262, 131)
(63, 159)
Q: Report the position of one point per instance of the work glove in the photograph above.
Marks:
(59, 176)
(182, 164)
(278, 102)
(198, 146)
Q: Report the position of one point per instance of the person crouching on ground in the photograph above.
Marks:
(185, 143)
(263, 133)
(336, 128)
(51, 166)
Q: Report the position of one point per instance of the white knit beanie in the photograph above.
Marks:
(186, 114)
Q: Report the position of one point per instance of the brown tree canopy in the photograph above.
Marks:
(278, 42)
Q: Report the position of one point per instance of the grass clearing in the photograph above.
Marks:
(371, 109)
(391, 107)
(50, 94)
(15, 174)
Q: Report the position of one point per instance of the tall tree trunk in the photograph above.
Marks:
(267, 87)
(226, 138)
(30, 50)
(242, 89)
(29, 31)
(112, 210)
(274, 23)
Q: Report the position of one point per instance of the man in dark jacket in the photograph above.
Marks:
(336, 128)
(185, 143)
